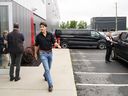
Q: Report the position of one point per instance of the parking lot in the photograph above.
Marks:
(93, 77)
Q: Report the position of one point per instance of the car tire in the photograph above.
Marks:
(102, 46)
(64, 45)
(113, 55)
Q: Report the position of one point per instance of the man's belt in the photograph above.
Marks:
(46, 50)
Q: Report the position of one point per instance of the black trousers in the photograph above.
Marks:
(108, 53)
(15, 61)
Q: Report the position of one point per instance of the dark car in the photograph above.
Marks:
(120, 49)
(69, 38)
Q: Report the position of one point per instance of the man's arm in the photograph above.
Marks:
(111, 40)
(36, 50)
(36, 47)
(108, 39)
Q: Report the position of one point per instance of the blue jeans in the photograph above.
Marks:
(46, 59)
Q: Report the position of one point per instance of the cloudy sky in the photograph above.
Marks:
(86, 9)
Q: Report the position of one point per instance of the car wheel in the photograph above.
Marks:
(113, 55)
(102, 46)
(64, 45)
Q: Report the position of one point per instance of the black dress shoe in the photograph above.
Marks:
(12, 78)
(108, 61)
(16, 79)
(50, 89)
(45, 78)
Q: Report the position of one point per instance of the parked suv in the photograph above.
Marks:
(80, 38)
(120, 50)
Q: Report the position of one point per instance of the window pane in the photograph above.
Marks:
(3, 18)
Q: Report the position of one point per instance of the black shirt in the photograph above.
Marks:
(45, 43)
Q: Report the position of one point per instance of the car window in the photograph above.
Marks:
(103, 34)
(123, 36)
(115, 34)
(94, 34)
(126, 40)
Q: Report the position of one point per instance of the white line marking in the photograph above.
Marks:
(87, 60)
(105, 85)
(87, 53)
(93, 73)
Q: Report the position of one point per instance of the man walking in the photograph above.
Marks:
(109, 43)
(15, 46)
(1, 49)
(44, 42)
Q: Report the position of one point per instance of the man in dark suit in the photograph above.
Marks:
(15, 47)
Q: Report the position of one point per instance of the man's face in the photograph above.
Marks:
(42, 28)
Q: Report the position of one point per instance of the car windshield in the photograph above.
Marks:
(102, 33)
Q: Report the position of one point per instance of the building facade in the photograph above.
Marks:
(108, 23)
(25, 12)
(52, 15)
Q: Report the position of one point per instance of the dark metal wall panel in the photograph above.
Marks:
(5, 0)
(22, 16)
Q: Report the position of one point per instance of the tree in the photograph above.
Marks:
(68, 25)
(63, 25)
(73, 24)
(82, 25)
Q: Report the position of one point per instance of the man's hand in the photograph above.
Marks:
(57, 45)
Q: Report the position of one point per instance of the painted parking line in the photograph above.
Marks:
(75, 60)
(86, 53)
(113, 85)
(93, 73)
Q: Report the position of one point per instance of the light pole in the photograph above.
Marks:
(116, 19)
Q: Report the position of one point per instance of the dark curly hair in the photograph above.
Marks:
(43, 23)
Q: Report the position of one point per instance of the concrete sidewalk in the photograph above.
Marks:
(32, 82)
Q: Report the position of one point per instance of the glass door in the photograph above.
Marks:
(4, 22)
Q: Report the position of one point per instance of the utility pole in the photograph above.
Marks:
(116, 19)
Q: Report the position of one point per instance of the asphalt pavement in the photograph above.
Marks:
(93, 77)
